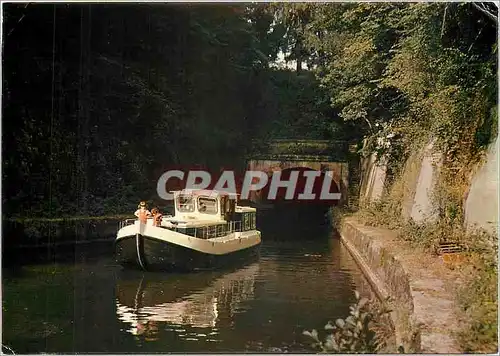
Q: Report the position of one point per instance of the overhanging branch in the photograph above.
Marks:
(18, 21)
(488, 10)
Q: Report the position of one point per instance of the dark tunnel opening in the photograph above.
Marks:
(295, 218)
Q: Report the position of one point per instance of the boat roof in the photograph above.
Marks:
(205, 192)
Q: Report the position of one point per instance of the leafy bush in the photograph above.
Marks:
(355, 334)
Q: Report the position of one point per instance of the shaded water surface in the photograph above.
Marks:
(92, 305)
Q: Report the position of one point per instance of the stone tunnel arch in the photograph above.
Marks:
(339, 173)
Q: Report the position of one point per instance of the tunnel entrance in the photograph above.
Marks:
(295, 221)
(282, 218)
(304, 180)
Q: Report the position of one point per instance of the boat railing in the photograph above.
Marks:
(126, 222)
(202, 232)
(235, 226)
(210, 232)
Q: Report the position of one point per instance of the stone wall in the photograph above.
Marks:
(339, 170)
(420, 175)
(422, 208)
(372, 179)
(423, 307)
(481, 205)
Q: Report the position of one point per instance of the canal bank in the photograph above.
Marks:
(33, 232)
(424, 201)
(43, 240)
(420, 287)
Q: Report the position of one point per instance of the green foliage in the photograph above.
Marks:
(477, 296)
(488, 130)
(96, 119)
(412, 70)
(291, 20)
(300, 111)
(194, 85)
(355, 334)
(406, 74)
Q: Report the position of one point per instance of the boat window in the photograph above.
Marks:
(224, 204)
(252, 223)
(246, 223)
(185, 203)
(207, 205)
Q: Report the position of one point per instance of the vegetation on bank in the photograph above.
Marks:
(477, 293)
(367, 329)
(99, 104)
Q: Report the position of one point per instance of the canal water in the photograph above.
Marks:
(89, 304)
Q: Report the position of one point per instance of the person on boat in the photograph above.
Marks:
(142, 212)
(157, 215)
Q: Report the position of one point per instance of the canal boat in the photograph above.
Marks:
(208, 230)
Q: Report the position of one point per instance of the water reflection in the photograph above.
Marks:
(91, 305)
(184, 301)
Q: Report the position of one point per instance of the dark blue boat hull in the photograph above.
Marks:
(147, 253)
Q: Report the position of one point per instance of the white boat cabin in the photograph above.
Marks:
(209, 208)
(204, 205)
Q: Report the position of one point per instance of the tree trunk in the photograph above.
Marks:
(298, 56)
